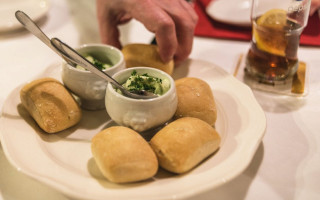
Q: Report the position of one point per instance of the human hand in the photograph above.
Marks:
(315, 5)
(172, 21)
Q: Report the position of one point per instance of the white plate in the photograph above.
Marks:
(34, 8)
(64, 160)
(234, 12)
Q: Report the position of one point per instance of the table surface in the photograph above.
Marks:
(287, 162)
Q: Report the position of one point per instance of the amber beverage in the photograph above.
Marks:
(275, 41)
(279, 63)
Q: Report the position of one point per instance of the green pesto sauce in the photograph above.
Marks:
(97, 63)
(148, 83)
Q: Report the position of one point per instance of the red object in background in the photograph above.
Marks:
(208, 27)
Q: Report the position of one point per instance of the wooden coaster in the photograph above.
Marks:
(293, 86)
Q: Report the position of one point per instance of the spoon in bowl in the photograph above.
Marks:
(73, 58)
(72, 55)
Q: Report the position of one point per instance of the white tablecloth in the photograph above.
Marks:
(286, 164)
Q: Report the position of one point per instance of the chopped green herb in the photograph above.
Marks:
(148, 83)
(96, 62)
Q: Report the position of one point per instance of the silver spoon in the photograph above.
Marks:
(71, 54)
(73, 58)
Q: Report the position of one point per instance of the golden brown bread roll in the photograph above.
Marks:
(50, 104)
(184, 143)
(195, 99)
(123, 155)
(137, 55)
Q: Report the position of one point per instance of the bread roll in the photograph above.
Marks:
(195, 99)
(184, 143)
(137, 55)
(123, 155)
(50, 104)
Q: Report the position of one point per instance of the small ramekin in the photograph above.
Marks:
(88, 87)
(141, 114)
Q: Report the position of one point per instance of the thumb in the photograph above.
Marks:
(109, 33)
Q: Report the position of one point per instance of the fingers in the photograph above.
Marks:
(167, 40)
(189, 8)
(157, 20)
(172, 21)
(185, 20)
(185, 26)
(108, 23)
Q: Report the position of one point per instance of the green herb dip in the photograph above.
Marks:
(148, 83)
(96, 62)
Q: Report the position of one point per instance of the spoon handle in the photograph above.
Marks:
(29, 24)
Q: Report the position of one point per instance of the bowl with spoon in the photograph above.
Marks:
(86, 85)
(73, 58)
(141, 98)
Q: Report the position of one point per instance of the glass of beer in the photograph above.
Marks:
(276, 30)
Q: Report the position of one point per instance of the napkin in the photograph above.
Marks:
(208, 27)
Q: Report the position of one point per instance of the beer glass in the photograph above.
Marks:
(276, 30)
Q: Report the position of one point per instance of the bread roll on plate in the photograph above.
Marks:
(195, 99)
(50, 104)
(145, 55)
(123, 155)
(184, 143)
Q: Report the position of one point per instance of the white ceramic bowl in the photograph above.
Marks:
(89, 87)
(141, 114)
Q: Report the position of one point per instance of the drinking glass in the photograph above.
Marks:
(276, 29)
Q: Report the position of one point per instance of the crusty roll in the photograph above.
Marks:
(50, 104)
(137, 55)
(184, 143)
(123, 156)
(195, 99)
